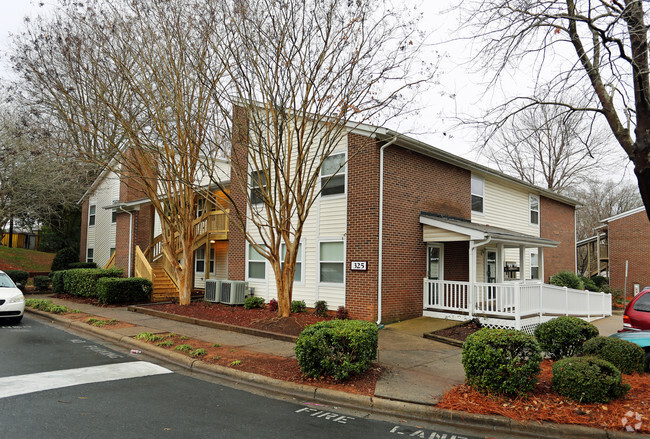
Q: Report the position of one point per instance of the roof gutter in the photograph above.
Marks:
(381, 225)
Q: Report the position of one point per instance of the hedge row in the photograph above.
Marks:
(105, 285)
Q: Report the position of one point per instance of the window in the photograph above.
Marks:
(642, 303)
(332, 175)
(111, 252)
(256, 264)
(200, 260)
(113, 216)
(258, 186)
(200, 207)
(434, 269)
(297, 277)
(534, 209)
(478, 189)
(90, 255)
(534, 265)
(211, 260)
(332, 257)
(91, 215)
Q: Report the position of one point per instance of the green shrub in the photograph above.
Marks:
(57, 282)
(502, 361)
(252, 302)
(64, 258)
(41, 283)
(600, 281)
(298, 306)
(587, 379)
(320, 308)
(83, 281)
(626, 356)
(567, 279)
(588, 284)
(563, 336)
(336, 348)
(82, 265)
(19, 277)
(123, 290)
(47, 306)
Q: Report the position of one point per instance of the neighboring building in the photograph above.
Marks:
(382, 250)
(623, 240)
(20, 239)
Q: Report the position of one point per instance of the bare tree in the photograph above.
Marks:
(122, 80)
(545, 147)
(599, 48)
(303, 74)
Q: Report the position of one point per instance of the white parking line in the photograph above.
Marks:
(37, 382)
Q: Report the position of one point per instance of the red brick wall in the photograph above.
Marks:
(557, 222)
(629, 240)
(412, 183)
(238, 183)
(83, 240)
(362, 241)
(415, 183)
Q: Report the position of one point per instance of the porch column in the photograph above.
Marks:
(540, 261)
(500, 263)
(472, 279)
(522, 263)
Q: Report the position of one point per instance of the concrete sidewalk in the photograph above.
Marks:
(420, 370)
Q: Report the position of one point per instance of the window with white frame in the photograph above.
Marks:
(332, 175)
(534, 209)
(199, 261)
(332, 262)
(534, 265)
(211, 260)
(478, 193)
(297, 277)
(91, 215)
(90, 255)
(114, 216)
(256, 264)
(258, 186)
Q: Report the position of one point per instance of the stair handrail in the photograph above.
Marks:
(142, 266)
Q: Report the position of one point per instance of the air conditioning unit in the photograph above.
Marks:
(233, 292)
(212, 290)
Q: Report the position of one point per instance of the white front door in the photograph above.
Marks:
(491, 270)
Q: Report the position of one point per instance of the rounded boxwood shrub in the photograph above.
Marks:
(336, 348)
(588, 379)
(82, 265)
(564, 336)
(626, 356)
(123, 290)
(567, 279)
(252, 302)
(58, 285)
(64, 258)
(503, 361)
(41, 283)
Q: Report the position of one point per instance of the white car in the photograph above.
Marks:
(12, 301)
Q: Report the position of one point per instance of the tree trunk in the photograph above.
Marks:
(284, 279)
(642, 172)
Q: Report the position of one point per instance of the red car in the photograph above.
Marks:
(637, 312)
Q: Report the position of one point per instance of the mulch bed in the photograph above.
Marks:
(261, 318)
(459, 332)
(545, 405)
(273, 366)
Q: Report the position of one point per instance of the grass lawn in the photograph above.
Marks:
(23, 259)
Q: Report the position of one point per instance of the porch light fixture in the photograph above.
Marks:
(212, 241)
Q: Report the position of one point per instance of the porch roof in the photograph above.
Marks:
(464, 230)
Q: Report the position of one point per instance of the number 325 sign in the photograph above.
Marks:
(359, 266)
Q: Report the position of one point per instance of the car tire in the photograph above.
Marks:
(15, 320)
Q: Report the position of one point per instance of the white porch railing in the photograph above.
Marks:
(518, 305)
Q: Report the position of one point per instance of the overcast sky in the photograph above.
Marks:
(458, 93)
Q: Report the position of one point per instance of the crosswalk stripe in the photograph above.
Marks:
(37, 382)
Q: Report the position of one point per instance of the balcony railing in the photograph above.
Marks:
(512, 301)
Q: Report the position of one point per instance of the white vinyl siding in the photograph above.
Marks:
(436, 234)
(101, 236)
(506, 206)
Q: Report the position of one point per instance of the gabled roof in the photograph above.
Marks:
(624, 214)
(477, 232)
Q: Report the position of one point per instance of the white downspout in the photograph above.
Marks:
(381, 225)
(130, 238)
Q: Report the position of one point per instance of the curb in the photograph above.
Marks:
(211, 324)
(482, 424)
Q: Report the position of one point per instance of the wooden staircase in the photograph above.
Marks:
(164, 288)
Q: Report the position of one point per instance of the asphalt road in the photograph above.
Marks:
(58, 384)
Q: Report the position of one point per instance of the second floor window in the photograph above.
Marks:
(91, 216)
(534, 209)
(258, 186)
(478, 191)
(332, 175)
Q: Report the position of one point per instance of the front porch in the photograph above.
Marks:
(515, 305)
